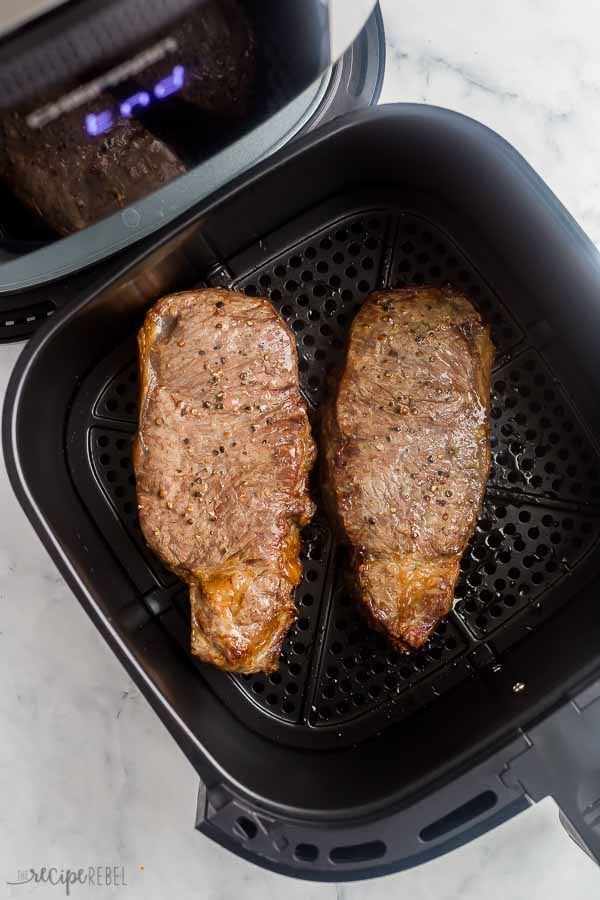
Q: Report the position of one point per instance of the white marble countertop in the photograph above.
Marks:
(88, 775)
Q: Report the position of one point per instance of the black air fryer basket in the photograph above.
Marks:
(354, 760)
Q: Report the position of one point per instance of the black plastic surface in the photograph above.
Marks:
(347, 851)
(525, 629)
(561, 759)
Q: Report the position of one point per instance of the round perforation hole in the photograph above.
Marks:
(374, 672)
(533, 450)
(111, 456)
(326, 278)
(512, 569)
(119, 398)
(420, 257)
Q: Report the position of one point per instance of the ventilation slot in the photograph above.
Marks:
(17, 322)
(356, 853)
(460, 816)
(306, 852)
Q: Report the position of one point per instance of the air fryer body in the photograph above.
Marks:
(351, 760)
(137, 110)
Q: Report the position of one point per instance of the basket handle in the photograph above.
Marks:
(344, 851)
(556, 757)
(563, 762)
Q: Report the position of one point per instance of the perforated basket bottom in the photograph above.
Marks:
(540, 518)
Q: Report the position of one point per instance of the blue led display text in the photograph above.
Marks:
(101, 122)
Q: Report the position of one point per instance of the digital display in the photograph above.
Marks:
(101, 122)
(86, 148)
(88, 91)
(109, 130)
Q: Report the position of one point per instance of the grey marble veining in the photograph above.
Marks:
(88, 775)
(529, 69)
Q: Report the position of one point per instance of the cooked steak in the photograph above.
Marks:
(406, 452)
(221, 461)
(72, 180)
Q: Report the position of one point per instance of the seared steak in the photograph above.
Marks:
(72, 180)
(406, 452)
(221, 461)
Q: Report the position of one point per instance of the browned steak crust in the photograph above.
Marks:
(406, 452)
(222, 460)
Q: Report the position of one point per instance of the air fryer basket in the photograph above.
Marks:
(329, 223)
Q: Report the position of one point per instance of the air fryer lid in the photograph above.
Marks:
(353, 760)
(134, 110)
